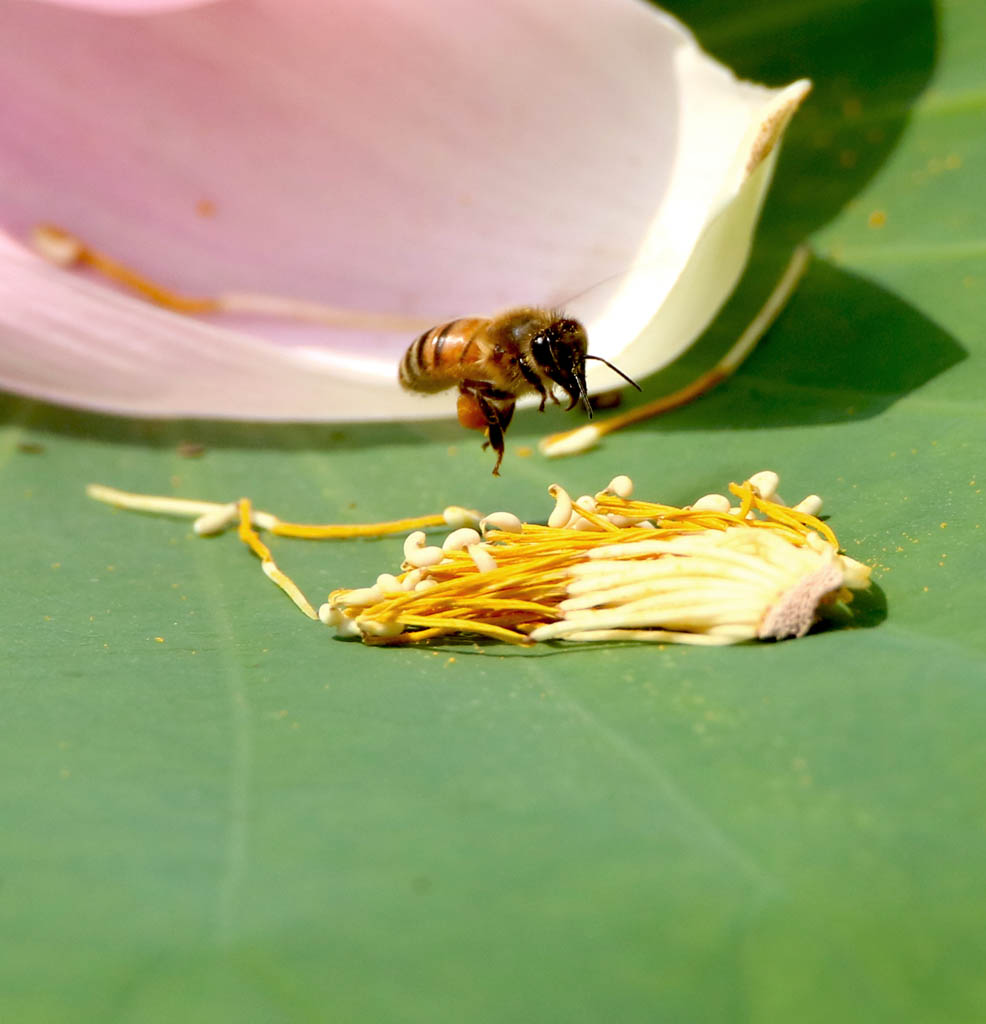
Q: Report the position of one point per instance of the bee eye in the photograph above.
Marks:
(541, 349)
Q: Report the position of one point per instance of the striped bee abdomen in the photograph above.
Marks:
(440, 357)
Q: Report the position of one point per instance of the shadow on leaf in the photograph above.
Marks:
(844, 349)
(865, 80)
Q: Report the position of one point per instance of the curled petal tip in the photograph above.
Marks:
(775, 120)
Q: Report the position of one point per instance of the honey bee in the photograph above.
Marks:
(494, 361)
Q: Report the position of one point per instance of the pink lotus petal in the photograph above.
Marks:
(370, 155)
(69, 340)
(128, 6)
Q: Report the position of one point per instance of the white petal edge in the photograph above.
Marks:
(710, 273)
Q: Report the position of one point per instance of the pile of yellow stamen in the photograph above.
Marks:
(606, 567)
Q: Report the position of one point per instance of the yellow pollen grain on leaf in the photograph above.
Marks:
(877, 219)
(852, 108)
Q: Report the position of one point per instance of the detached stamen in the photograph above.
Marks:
(705, 575)
(66, 250)
(605, 567)
(571, 442)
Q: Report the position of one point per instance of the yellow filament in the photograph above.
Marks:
(251, 538)
(406, 638)
(799, 521)
(532, 566)
(122, 274)
(316, 531)
(745, 493)
(310, 531)
(454, 625)
(66, 249)
(595, 518)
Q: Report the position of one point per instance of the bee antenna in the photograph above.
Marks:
(580, 380)
(615, 369)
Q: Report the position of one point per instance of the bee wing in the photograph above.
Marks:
(634, 319)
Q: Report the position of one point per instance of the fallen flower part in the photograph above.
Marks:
(606, 567)
(573, 442)
(353, 155)
(214, 517)
(726, 569)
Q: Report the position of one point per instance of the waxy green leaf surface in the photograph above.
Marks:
(213, 810)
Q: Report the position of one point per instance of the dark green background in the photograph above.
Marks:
(253, 821)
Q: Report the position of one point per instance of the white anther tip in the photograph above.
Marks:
(811, 505)
(505, 521)
(386, 630)
(461, 538)
(562, 512)
(765, 483)
(855, 575)
(571, 442)
(711, 503)
(215, 522)
(621, 486)
(346, 627)
(457, 517)
(359, 598)
(387, 583)
(411, 579)
(417, 555)
(482, 559)
(414, 541)
(55, 245)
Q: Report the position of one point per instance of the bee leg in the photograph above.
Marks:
(534, 380)
(498, 410)
(494, 435)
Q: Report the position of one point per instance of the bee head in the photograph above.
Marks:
(560, 353)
